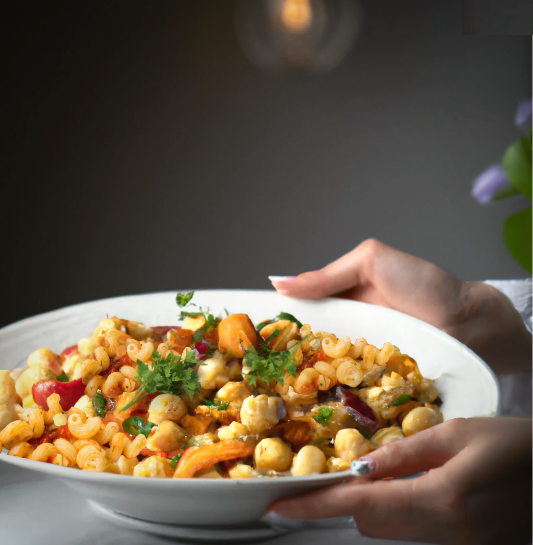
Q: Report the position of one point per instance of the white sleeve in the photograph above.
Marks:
(516, 387)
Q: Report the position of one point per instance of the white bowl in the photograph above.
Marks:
(468, 388)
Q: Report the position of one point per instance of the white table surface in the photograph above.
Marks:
(36, 509)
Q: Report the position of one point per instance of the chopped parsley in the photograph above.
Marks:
(268, 365)
(100, 404)
(324, 414)
(170, 375)
(183, 299)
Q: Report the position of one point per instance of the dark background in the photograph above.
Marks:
(144, 152)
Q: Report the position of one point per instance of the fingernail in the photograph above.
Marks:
(279, 522)
(362, 466)
(282, 278)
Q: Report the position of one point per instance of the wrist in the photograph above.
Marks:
(494, 329)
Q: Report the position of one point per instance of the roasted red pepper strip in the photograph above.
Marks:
(69, 392)
(196, 459)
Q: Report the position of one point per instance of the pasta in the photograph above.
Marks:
(91, 459)
(82, 427)
(215, 398)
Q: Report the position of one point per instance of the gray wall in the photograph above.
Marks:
(145, 153)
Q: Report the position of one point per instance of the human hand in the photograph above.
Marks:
(477, 488)
(475, 313)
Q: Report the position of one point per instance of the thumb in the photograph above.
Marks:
(426, 450)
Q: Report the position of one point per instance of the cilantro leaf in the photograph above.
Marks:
(183, 299)
(170, 375)
(324, 414)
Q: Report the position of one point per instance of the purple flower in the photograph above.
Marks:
(522, 117)
(489, 183)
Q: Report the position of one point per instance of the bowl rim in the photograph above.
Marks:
(82, 475)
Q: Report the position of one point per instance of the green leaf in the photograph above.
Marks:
(510, 191)
(404, 398)
(275, 333)
(62, 377)
(324, 414)
(287, 316)
(517, 237)
(134, 425)
(183, 299)
(218, 406)
(100, 404)
(526, 146)
(262, 324)
(175, 460)
(517, 167)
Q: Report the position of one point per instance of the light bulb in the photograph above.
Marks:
(313, 35)
(296, 15)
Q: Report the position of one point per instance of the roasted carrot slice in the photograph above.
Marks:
(196, 425)
(196, 459)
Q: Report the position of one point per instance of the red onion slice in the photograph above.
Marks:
(357, 408)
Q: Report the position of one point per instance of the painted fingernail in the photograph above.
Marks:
(282, 278)
(279, 522)
(362, 466)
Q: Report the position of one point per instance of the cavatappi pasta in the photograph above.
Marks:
(341, 400)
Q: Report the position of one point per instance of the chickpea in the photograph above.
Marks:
(241, 471)
(234, 370)
(234, 392)
(153, 466)
(273, 453)
(350, 445)
(427, 393)
(420, 419)
(235, 334)
(42, 356)
(29, 377)
(309, 460)
(168, 436)
(166, 407)
(7, 387)
(337, 464)
(386, 436)
(233, 431)
(262, 412)
(214, 373)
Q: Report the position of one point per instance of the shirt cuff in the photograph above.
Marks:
(519, 292)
